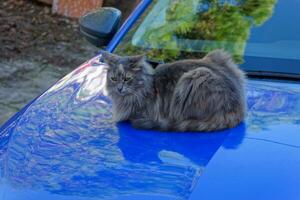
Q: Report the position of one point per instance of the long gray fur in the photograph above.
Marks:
(188, 95)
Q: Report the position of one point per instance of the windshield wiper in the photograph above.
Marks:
(273, 75)
(277, 68)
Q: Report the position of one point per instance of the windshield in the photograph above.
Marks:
(262, 35)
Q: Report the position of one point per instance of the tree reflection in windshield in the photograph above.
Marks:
(173, 30)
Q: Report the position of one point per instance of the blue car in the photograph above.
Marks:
(64, 145)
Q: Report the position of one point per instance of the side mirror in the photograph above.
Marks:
(98, 27)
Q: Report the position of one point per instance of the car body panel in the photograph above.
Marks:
(63, 145)
(266, 164)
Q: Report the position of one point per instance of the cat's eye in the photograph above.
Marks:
(127, 78)
(112, 78)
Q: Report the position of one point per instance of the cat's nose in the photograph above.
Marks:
(120, 87)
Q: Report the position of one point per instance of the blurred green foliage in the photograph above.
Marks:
(211, 24)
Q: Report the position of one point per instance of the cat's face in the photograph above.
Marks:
(125, 75)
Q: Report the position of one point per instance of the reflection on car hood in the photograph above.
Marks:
(65, 145)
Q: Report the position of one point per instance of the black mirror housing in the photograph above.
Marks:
(98, 27)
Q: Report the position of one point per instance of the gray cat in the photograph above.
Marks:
(188, 95)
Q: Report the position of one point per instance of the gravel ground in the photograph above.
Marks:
(36, 49)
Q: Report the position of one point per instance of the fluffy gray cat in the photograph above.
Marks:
(189, 95)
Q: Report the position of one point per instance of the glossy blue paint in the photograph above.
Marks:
(64, 146)
(266, 164)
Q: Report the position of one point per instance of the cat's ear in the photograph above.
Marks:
(109, 58)
(137, 61)
(138, 58)
(143, 65)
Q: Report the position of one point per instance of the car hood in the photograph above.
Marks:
(64, 146)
